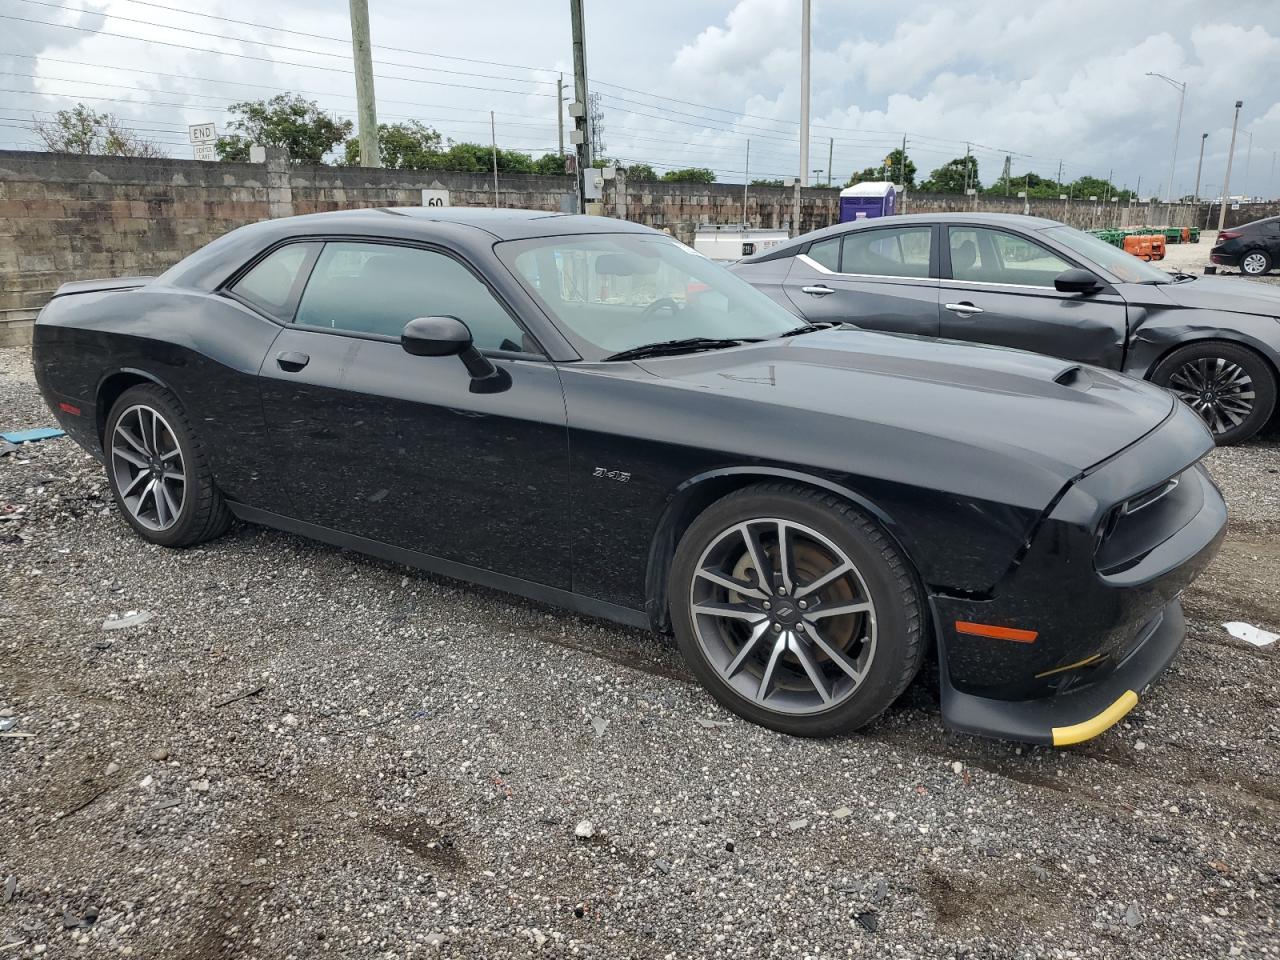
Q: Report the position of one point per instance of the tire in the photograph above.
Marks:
(1208, 375)
(160, 444)
(864, 659)
(1255, 263)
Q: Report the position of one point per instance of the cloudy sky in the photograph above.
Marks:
(688, 82)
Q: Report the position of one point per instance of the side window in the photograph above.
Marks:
(378, 288)
(901, 252)
(827, 253)
(993, 256)
(272, 286)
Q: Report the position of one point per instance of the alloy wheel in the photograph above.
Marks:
(1220, 391)
(783, 615)
(148, 467)
(1254, 263)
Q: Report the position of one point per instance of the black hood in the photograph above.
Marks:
(1060, 416)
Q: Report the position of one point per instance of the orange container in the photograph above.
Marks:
(1157, 246)
(1138, 245)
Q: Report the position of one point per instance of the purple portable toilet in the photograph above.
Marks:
(864, 201)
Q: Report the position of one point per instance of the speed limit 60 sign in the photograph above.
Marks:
(435, 198)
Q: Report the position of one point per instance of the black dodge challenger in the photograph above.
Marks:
(584, 411)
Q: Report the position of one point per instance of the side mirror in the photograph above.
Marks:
(1076, 280)
(446, 337)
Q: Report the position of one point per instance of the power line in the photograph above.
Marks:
(282, 63)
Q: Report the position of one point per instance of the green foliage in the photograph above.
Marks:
(775, 182)
(549, 164)
(897, 168)
(286, 120)
(951, 176)
(404, 146)
(641, 171)
(82, 130)
(690, 175)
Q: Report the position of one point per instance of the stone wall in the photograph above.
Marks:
(65, 217)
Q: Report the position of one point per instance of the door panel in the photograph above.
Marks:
(998, 289)
(881, 279)
(397, 448)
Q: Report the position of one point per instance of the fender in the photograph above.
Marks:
(699, 491)
(1155, 339)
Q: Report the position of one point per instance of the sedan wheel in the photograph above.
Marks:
(148, 466)
(795, 610)
(1255, 263)
(1229, 386)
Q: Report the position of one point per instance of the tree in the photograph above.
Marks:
(549, 164)
(1086, 187)
(690, 175)
(951, 176)
(776, 182)
(82, 130)
(286, 120)
(404, 146)
(641, 171)
(897, 168)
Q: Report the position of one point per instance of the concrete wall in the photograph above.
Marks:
(65, 217)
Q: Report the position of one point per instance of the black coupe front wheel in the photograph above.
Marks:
(795, 610)
(159, 472)
(1231, 387)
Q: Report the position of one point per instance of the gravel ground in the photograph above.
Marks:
(305, 753)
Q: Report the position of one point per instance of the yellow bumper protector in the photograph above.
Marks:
(1088, 729)
(1070, 666)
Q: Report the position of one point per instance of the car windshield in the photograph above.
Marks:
(614, 292)
(1124, 266)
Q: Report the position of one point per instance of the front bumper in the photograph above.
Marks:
(1089, 616)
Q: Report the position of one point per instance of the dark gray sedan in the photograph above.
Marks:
(1040, 285)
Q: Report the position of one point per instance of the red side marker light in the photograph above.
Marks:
(996, 633)
(69, 408)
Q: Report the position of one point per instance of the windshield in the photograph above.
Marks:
(1123, 266)
(612, 292)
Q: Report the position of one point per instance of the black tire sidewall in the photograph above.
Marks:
(158, 399)
(1264, 380)
(897, 627)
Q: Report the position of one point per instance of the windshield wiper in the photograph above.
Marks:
(668, 347)
(808, 328)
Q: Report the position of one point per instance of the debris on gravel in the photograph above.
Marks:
(364, 761)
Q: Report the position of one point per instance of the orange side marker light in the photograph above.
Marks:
(996, 633)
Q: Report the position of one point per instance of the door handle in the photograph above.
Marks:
(818, 291)
(292, 361)
(965, 309)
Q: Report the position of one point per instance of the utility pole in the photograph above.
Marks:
(805, 10)
(560, 111)
(1008, 163)
(493, 133)
(966, 168)
(1177, 130)
(1226, 181)
(1200, 166)
(831, 152)
(1059, 181)
(746, 179)
(903, 165)
(366, 111)
(579, 107)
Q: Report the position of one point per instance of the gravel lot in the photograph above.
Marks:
(305, 753)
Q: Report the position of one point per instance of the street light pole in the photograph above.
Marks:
(1226, 180)
(805, 9)
(1177, 130)
(1199, 166)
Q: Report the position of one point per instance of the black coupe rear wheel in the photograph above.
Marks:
(1231, 387)
(159, 472)
(795, 610)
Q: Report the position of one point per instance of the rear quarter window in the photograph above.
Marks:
(274, 283)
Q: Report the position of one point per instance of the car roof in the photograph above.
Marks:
(502, 223)
(908, 219)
